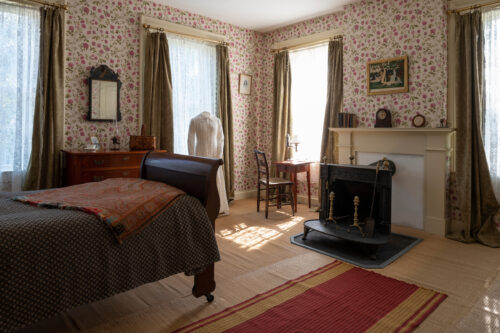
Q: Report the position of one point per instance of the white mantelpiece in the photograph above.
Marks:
(434, 144)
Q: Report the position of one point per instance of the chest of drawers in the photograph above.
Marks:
(83, 167)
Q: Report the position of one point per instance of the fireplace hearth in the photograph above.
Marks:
(355, 204)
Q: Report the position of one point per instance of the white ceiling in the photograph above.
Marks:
(259, 15)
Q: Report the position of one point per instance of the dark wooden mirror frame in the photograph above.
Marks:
(104, 73)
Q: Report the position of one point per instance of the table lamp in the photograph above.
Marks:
(292, 141)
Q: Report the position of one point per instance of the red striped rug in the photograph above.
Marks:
(335, 298)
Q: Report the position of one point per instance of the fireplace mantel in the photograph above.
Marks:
(421, 131)
(434, 144)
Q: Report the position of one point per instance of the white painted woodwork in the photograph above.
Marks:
(407, 201)
(433, 144)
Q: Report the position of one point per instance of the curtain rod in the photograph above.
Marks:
(307, 44)
(148, 26)
(464, 9)
(41, 2)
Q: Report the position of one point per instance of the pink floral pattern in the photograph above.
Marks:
(107, 32)
(378, 29)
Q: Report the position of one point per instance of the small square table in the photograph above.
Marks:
(293, 168)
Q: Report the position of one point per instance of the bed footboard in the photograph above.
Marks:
(197, 177)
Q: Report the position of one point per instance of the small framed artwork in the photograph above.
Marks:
(245, 84)
(387, 76)
(94, 140)
(94, 144)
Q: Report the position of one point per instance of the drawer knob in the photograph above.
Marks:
(125, 173)
(126, 158)
(98, 162)
(98, 178)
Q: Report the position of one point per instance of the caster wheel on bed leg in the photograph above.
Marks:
(210, 298)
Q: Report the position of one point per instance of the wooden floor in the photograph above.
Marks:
(257, 255)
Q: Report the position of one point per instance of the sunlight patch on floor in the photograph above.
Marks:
(283, 213)
(250, 238)
(491, 305)
(491, 317)
(290, 224)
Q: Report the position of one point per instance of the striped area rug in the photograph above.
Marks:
(335, 298)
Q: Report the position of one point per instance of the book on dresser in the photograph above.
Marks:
(83, 166)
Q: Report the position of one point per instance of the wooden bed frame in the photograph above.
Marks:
(197, 177)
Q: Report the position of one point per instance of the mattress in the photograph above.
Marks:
(52, 260)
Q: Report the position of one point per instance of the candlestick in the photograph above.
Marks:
(330, 215)
(355, 220)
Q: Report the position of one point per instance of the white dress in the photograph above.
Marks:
(206, 139)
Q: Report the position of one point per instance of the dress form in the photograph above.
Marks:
(206, 139)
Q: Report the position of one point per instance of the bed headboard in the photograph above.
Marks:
(194, 175)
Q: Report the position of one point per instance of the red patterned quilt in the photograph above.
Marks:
(126, 205)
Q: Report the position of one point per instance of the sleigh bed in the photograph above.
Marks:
(52, 260)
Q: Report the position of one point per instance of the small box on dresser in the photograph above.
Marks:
(82, 166)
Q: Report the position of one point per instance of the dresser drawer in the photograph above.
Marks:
(111, 161)
(99, 175)
(83, 167)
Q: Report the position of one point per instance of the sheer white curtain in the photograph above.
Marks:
(491, 25)
(19, 53)
(308, 102)
(194, 84)
(308, 99)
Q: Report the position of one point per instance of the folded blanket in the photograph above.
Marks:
(126, 205)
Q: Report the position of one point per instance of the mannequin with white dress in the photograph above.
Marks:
(206, 139)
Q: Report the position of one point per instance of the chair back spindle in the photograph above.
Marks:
(262, 166)
(276, 185)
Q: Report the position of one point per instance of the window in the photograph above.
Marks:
(491, 25)
(19, 37)
(309, 69)
(194, 84)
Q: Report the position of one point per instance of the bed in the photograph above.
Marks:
(52, 260)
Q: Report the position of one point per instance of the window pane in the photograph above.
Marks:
(19, 37)
(308, 99)
(491, 22)
(194, 84)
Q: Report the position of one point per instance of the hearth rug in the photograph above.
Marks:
(355, 253)
(335, 298)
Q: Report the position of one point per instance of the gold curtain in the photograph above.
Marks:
(282, 115)
(476, 198)
(44, 169)
(226, 116)
(158, 118)
(335, 95)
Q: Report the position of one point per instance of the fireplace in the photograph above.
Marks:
(355, 204)
(433, 145)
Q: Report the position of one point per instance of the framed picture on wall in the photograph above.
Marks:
(245, 84)
(387, 76)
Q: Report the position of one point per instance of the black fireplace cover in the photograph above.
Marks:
(355, 253)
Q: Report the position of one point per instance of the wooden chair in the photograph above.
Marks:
(275, 184)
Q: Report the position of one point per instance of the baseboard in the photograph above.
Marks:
(302, 199)
(245, 194)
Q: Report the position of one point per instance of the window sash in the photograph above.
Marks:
(309, 69)
(20, 40)
(194, 84)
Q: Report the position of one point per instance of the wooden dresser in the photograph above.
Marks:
(83, 167)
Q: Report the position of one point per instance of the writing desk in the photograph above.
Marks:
(293, 168)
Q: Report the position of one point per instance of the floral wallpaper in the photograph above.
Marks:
(107, 32)
(378, 29)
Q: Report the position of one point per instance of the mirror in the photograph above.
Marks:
(104, 94)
